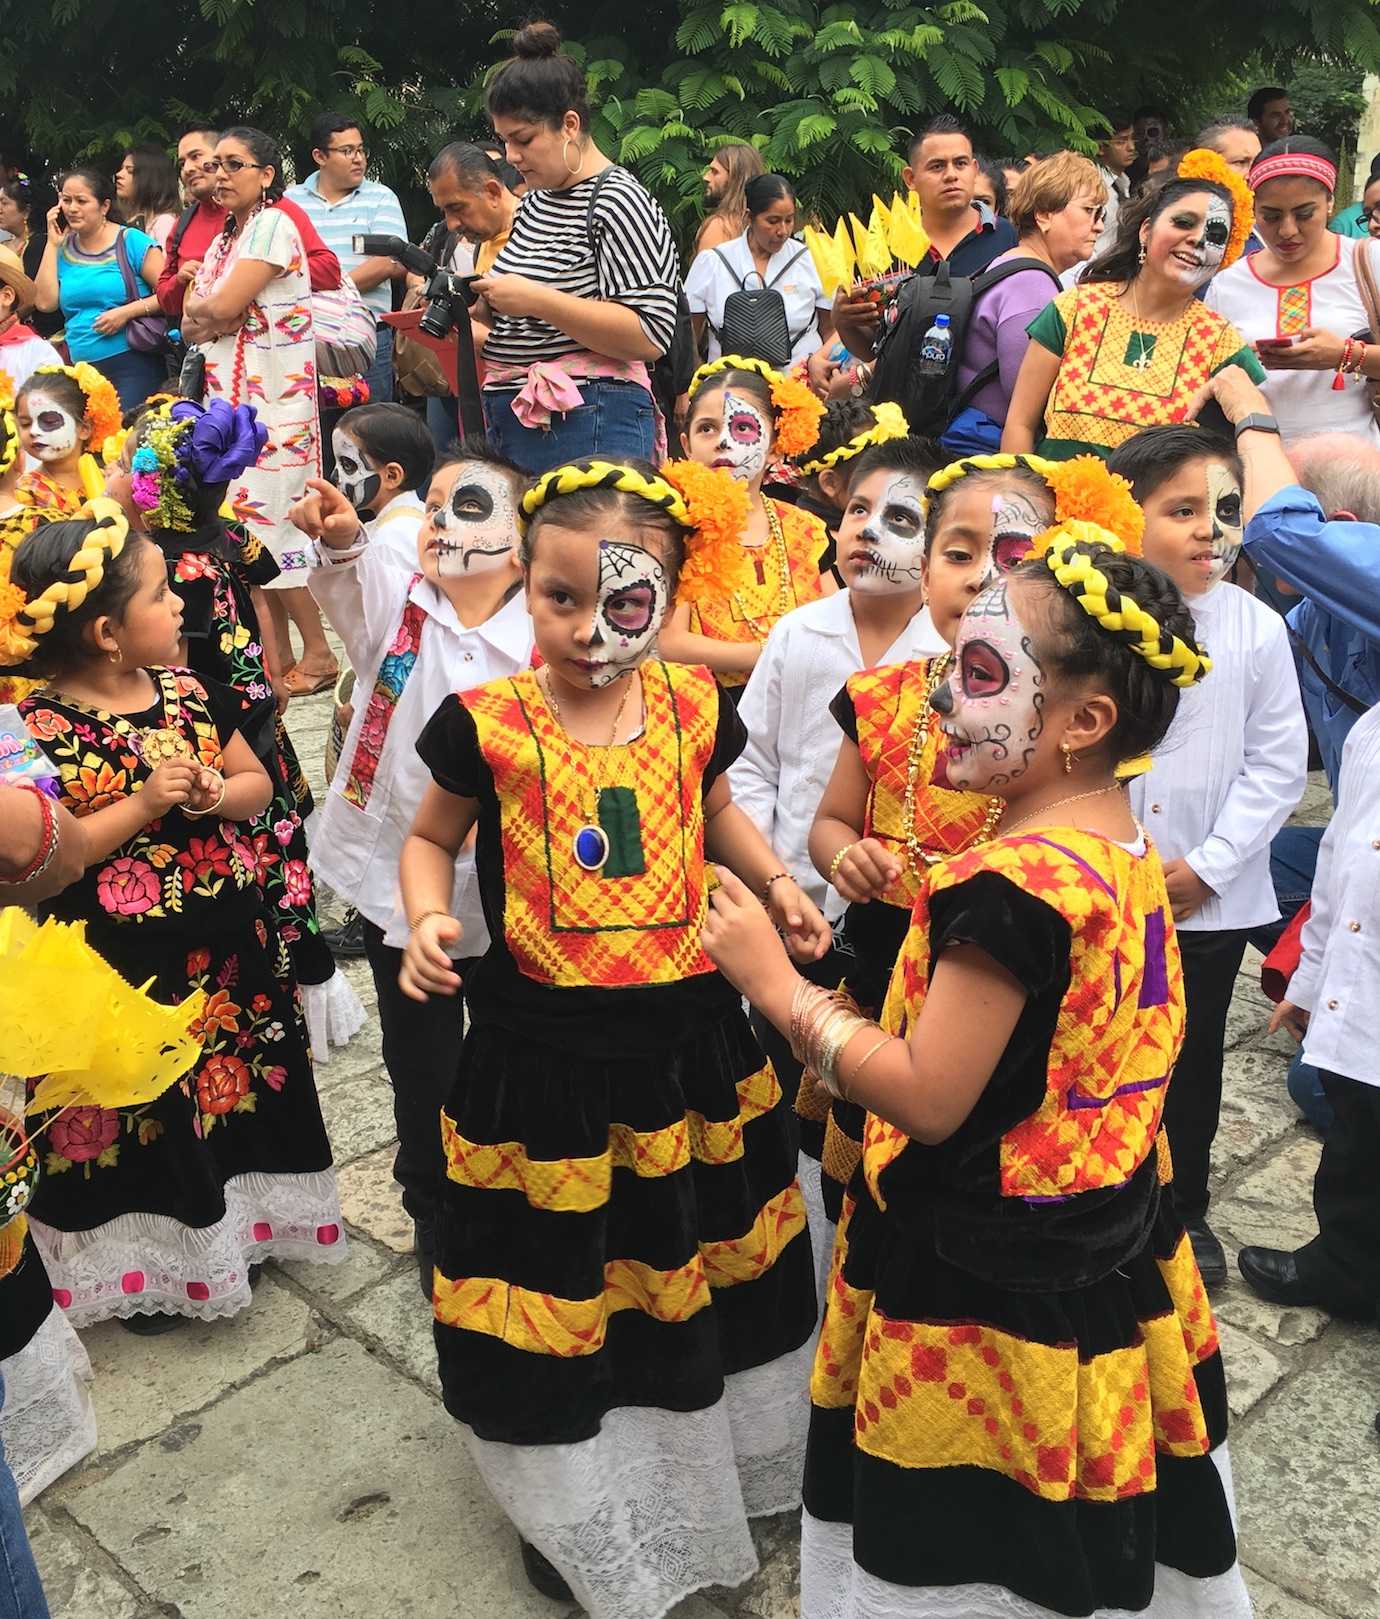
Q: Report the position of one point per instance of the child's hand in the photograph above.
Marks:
(325, 514)
(208, 790)
(808, 935)
(1186, 889)
(739, 937)
(426, 965)
(1288, 1016)
(172, 782)
(866, 871)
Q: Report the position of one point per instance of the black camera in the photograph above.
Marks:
(448, 296)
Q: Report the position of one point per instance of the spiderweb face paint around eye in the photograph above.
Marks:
(633, 594)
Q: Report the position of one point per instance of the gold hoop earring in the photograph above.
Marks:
(1068, 758)
(571, 168)
(116, 657)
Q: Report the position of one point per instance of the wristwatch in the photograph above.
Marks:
(1257, 422)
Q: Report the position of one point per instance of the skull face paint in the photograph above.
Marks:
(476, 529)
(1015, 523)
(893, 539)
(52, 431)
(633, 593)
(1197, 262)
(991, 707)
(1224, 510)
(354, 477)
(744, 438)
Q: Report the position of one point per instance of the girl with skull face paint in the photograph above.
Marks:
(65, 414)
(383, 455)
(743, 414)
(646, 1214)
(1008, 1252)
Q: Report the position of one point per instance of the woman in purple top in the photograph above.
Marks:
(1056, 207)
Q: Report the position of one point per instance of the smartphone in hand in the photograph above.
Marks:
(1274, 343)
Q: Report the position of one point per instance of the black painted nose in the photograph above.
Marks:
(941, 700)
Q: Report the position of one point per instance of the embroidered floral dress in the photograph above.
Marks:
(163, 1207)
(270, 363)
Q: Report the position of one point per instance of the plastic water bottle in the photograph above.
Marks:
(936, 347)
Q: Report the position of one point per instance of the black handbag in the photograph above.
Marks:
(754, 319)
(191, 380)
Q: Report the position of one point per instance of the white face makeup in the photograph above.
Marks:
(1224, 508)
(476, 529)
(744, 439)
(991, 707)
(894, 537)
(1208, 252)
(1015, 523)
(354, 477)
(628, 610)
(52, 428)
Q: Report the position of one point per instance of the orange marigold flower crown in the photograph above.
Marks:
(9, 426)
(798, 413)
(1204, 164)
(1084, 490)
(102, 402)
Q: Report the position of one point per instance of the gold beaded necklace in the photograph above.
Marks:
(917, 854)
(783, 563)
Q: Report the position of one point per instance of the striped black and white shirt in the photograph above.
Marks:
(630, 260)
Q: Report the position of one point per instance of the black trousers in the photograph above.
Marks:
(1342, 1263)
(421, 1051)
(1194, 1100)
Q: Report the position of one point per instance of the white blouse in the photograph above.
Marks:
(793, 739)
(1338, 979)
(709, 283)
(1305, 402)
(1234, 764)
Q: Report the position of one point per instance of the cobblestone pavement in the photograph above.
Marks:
(296, 1461)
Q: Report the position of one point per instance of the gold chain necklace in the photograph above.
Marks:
(917, 853)
(589, 843)
(153, 744)
(783, 563)
(1073, 798)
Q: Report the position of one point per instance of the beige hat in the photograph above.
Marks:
(12, 274)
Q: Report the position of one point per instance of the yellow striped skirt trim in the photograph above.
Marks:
(579, 1185)
(544, 1324)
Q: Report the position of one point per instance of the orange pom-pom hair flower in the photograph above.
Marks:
(717, 505)
(798, 413)
(102, 402)
(1086, 491)
(1203, 164)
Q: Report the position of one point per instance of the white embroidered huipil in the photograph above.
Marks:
(409, 651)
(1234, 764)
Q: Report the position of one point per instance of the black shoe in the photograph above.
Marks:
(542, 1576)
(255, 1272)
(346, 943)
(1212, 1260)
(1274, 1275)
(151, 1326)
(424, 1246)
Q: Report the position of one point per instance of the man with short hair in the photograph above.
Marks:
(942, 172)
(342, 202)
(1270, 112)
(1116, 152)
(1235, 141)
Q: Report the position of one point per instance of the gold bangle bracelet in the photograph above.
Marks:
(868, 1055)
(413, 926)
(837, 861)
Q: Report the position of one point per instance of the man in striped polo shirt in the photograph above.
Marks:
(343, 203)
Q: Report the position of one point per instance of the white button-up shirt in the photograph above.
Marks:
(712, 280)
(1338, 978)
(793, 739)
(1234, 764)
(355, 848)
(394, 527)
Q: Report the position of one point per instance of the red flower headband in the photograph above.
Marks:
(1297, 165)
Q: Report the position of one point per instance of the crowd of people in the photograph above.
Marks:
(804, 789)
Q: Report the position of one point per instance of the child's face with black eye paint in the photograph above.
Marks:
(471, 528)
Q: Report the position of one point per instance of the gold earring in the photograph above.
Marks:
(1068, 758)
(116, 657)
(1142, 253)
(570, 168)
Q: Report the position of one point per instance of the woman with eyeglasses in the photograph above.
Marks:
(91, 263)
(1301, 301)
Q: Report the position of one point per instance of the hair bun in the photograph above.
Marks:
(535, 40)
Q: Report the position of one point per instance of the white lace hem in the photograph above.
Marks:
(149, 1264)
(832, 1586)
(822, 1228)
(656, 1505)
(48, 1423)
(334, 1015)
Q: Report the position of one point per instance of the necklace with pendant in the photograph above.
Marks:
(783, 568)
(589, 843)
(157, 744)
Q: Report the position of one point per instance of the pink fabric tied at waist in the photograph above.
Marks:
(551, 387)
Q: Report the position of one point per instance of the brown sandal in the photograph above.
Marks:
(300, 684)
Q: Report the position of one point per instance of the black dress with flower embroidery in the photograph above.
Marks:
(214, 572)
(164, 1207)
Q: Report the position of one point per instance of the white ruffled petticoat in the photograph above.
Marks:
(822, 1228)
(147, 1264)
(47, 1422)
(656, 1505)
(334, 1015)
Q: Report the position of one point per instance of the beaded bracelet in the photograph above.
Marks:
(413, 926)
(47, 842)
(774, 878)
(837, 861)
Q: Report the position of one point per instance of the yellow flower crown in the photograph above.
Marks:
(888, 422)
(102, 402)
(1068, 553)
(1083, 489)
(9, 426)
(22, 621)
(797, 411)
(1204, 164)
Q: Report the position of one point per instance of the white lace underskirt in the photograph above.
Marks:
(656, 1505)
(832, 1586)
(150, 1264)
(822, 1228)
(47, 1422)
(334, 1015)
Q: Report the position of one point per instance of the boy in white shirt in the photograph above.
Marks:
(454, 618)
(1224, 781)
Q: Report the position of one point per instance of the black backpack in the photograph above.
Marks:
(671, 374)
(754, 321)
(931, 400)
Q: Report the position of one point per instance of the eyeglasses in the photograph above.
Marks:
(1367, 214)
(348, 151)
(231, 165)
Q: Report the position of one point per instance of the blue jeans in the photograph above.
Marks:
(21, 1594)
(1293, 862)
(134, 376)
(379, 376)
(617, 420)
(443, 422)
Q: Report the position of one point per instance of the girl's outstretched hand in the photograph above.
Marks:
(427, 968)
(808, 935)
(740, 939)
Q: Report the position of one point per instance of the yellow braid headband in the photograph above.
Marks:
(888, 422)
(1068, 557)
(946, 477)
(23, 621)
(1084, 489)
(798, 413)
(581, 475)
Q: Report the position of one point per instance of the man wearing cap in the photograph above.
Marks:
(22, 350)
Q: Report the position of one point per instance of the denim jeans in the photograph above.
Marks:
(21, 1594)
(617, 420)
(379, 376)
(133, 375)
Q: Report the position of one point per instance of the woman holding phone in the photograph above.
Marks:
(1301, 301)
